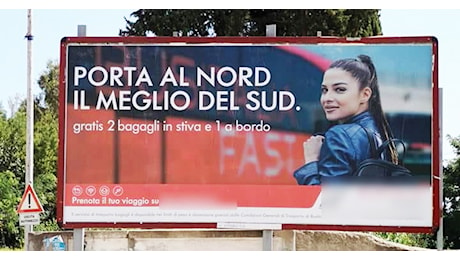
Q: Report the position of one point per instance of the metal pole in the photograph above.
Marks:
(79, 239)
(81, 30)
(79, 233)
(270, 30)
(440, 232)
(30, 121)
(267, 240)
(267, 235)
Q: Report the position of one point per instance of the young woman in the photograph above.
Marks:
(351, 100)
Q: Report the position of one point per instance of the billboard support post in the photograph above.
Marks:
(270, 30)
(79, 233)
(78, 239)
(267, 240)
(440, 232)
(267, 235)
(81, 30)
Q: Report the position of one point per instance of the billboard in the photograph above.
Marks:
(211, 132)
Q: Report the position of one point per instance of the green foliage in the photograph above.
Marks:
(10, 232)
(410, 239)
(451, 194)
(451, 211)
(452, 179)
(12, 161)
(12, 145)
(46, 145)
(45, 170)
(47, 225)
(253, 22)
(49, 85)
(13, 156)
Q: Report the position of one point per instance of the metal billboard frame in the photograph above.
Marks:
(436, 160)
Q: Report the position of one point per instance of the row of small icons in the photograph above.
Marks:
(78, 190)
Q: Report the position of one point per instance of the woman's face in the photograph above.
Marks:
(341, 97)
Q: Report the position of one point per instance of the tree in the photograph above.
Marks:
(13, 155)
(10, 233)
(46, 144)
(12, 145)
(451, 194)
(236, 22)
(12, 171)
(45, 161)
(14, 103)
(451, 210)
(48, 98)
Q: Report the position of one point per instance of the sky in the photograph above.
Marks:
(49, 26)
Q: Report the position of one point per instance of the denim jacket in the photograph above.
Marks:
(344, 147)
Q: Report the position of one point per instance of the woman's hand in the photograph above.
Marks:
(311, 148)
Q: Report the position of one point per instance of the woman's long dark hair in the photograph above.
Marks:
(363, 70)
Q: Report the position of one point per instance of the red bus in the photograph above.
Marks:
(223, 155)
